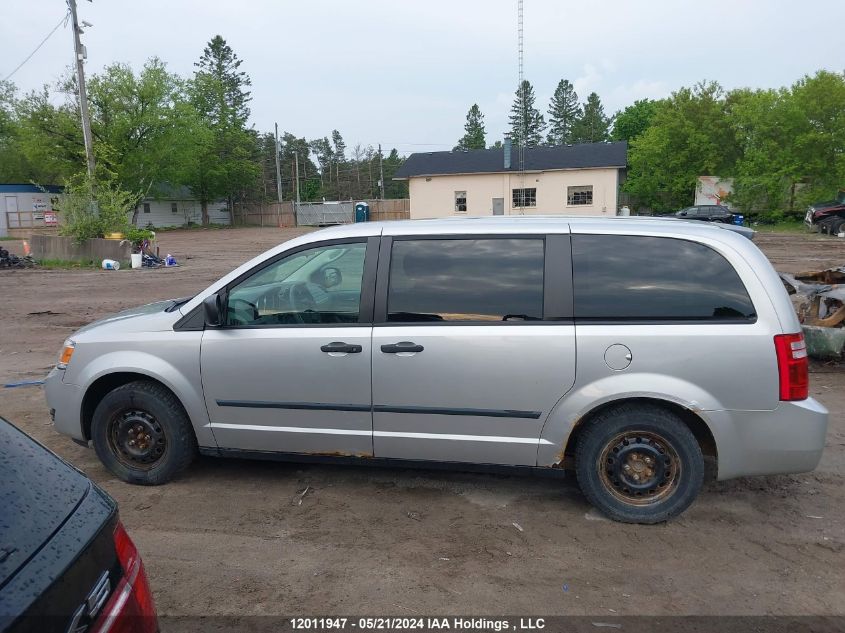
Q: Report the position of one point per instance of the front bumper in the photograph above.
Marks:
(789, 439)
(66, 402)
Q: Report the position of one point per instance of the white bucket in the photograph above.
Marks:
(136, 260)
(111, 264)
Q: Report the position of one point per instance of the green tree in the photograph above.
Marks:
(50, 137)
(791, 141)
(690, 136)
(296, 149)
(222, 162)
(324, 153)
(394, 188)
(474, 132)
(137, 122)
(339, 156)
(527, 124)
(14, 166)
(593, 125)
(635, 119)
(564, 112)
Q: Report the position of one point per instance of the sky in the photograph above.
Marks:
(404, 73)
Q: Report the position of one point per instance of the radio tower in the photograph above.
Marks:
(521, 148)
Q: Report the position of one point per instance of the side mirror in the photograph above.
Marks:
(212, 307)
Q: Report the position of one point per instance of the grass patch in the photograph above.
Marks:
(9, 238)
(65, 264)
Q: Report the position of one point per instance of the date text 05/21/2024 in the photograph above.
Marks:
(470, 625)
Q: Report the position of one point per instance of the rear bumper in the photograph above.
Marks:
(66, 402)
(789, 439)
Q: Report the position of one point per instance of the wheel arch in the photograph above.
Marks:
(694, 422)
(98, 389)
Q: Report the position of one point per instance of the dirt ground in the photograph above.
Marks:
(228, 539)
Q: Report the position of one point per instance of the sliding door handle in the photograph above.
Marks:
(403, 346)
(340, 347)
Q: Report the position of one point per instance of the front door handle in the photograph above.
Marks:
(403, 346)
(340, 347)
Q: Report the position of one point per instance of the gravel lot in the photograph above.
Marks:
(227, 538)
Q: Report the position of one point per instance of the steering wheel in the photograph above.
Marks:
(301, 299)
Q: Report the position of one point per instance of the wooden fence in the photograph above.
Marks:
(281, 213)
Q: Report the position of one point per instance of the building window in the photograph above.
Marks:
(173, 207)
(146, 207)
(579, 195)
(460, 202)
(525, 197)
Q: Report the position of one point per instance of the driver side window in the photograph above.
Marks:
(319, 285)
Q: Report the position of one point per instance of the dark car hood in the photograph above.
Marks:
(827, 204)
(38, 492)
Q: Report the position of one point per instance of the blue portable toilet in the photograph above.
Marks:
(362, 212)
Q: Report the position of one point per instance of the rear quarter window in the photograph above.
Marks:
(621, 277)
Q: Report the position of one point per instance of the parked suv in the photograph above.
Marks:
(707, 213)
(624, 350)
(66, 563)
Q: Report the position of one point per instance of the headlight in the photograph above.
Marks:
(66, 354)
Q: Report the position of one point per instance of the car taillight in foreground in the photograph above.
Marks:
(130, 608)
(793, 366)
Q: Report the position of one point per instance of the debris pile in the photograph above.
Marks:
(819, 300)
(7, 260)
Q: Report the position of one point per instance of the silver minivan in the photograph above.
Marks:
(628, 352)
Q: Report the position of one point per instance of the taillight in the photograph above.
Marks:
(130, 608)
(793, 367)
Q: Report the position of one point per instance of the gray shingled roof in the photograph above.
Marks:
(479, 161)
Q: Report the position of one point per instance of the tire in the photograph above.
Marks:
(142, 434)
(666, 485)
(825, 226)
(836, 226)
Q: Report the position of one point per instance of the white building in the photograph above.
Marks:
(567, 180)
(176, 206)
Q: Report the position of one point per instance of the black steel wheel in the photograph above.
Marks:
(639, 467)
(137, 438)
(639, 463)
(142, 434)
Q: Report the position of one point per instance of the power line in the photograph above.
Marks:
(28, 57)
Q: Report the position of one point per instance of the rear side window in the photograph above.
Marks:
(619, 277)
(466, 280)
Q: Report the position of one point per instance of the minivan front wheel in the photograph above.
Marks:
(639, 463)
(142, 434)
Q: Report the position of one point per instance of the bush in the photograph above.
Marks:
(137, 236)
(92, 208)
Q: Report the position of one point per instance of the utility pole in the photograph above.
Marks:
(296, 158)
(381, 171)
(278, 167)
(296, 210)
(81, 54)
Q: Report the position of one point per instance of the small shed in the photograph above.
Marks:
(26, 206)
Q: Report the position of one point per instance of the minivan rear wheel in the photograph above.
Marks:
(142, 434)
(639, 463)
